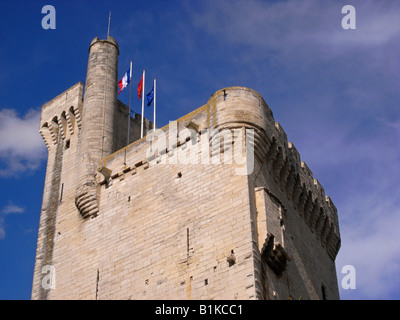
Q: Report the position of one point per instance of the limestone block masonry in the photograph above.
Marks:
(180, 219)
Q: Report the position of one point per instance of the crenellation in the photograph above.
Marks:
(273, 151)
(53, 129)
(281, 133)
(278, 164)
(299, 201)
(319, 190)
(77, 113)
(295, 193)
(45, 134)
(308, 175)
(284, 174)
(70, 118)
(325, 231)
(315, 212)
(320, 222)
(62, 125)
(291, 181)
(295, 155)
(333, 243)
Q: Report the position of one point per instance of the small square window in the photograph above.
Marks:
(67, 144)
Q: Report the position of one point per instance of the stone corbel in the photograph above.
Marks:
(106, 174)
(274, 255)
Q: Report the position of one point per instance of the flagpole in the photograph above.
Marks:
(154, 120)
(141, 129)
(129, 113)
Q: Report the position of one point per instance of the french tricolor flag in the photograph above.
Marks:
(126, 79)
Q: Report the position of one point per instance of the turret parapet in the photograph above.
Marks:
(109, 40)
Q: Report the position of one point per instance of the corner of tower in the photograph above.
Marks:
(60, 118)
(241, 107)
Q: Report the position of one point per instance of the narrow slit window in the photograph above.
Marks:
(323, 289)
(62, 191)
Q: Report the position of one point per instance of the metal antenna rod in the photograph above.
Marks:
(109, 21)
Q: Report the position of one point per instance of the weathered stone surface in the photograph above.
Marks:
(178, 220)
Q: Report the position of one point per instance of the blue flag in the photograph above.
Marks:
(150, 97)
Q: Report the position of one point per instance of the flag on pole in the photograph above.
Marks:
(150, 97)
(129, 113)
(123, 83)
(140, 88)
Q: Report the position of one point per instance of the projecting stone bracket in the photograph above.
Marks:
(106, 174)
(191, 125)
(86, 200)
(274, 255)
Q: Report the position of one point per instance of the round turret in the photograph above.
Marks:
(100, 98)
(236, 107)
(97, 130)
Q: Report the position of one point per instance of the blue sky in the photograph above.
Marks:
(334, 91)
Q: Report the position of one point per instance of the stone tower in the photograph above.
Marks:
(215, 205)
(97, 135)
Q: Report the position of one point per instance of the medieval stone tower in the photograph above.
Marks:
(215, 205)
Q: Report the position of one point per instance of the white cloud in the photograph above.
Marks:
(8, 209)
(2, 230)
(12, 208)
(21, 147)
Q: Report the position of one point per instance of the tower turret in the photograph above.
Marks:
(97, 133)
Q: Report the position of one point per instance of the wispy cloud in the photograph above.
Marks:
(284, 24)
(2, 230)
(21, 147)
(305, 35)
(6, 210)
(377, 24)
(12, 208)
